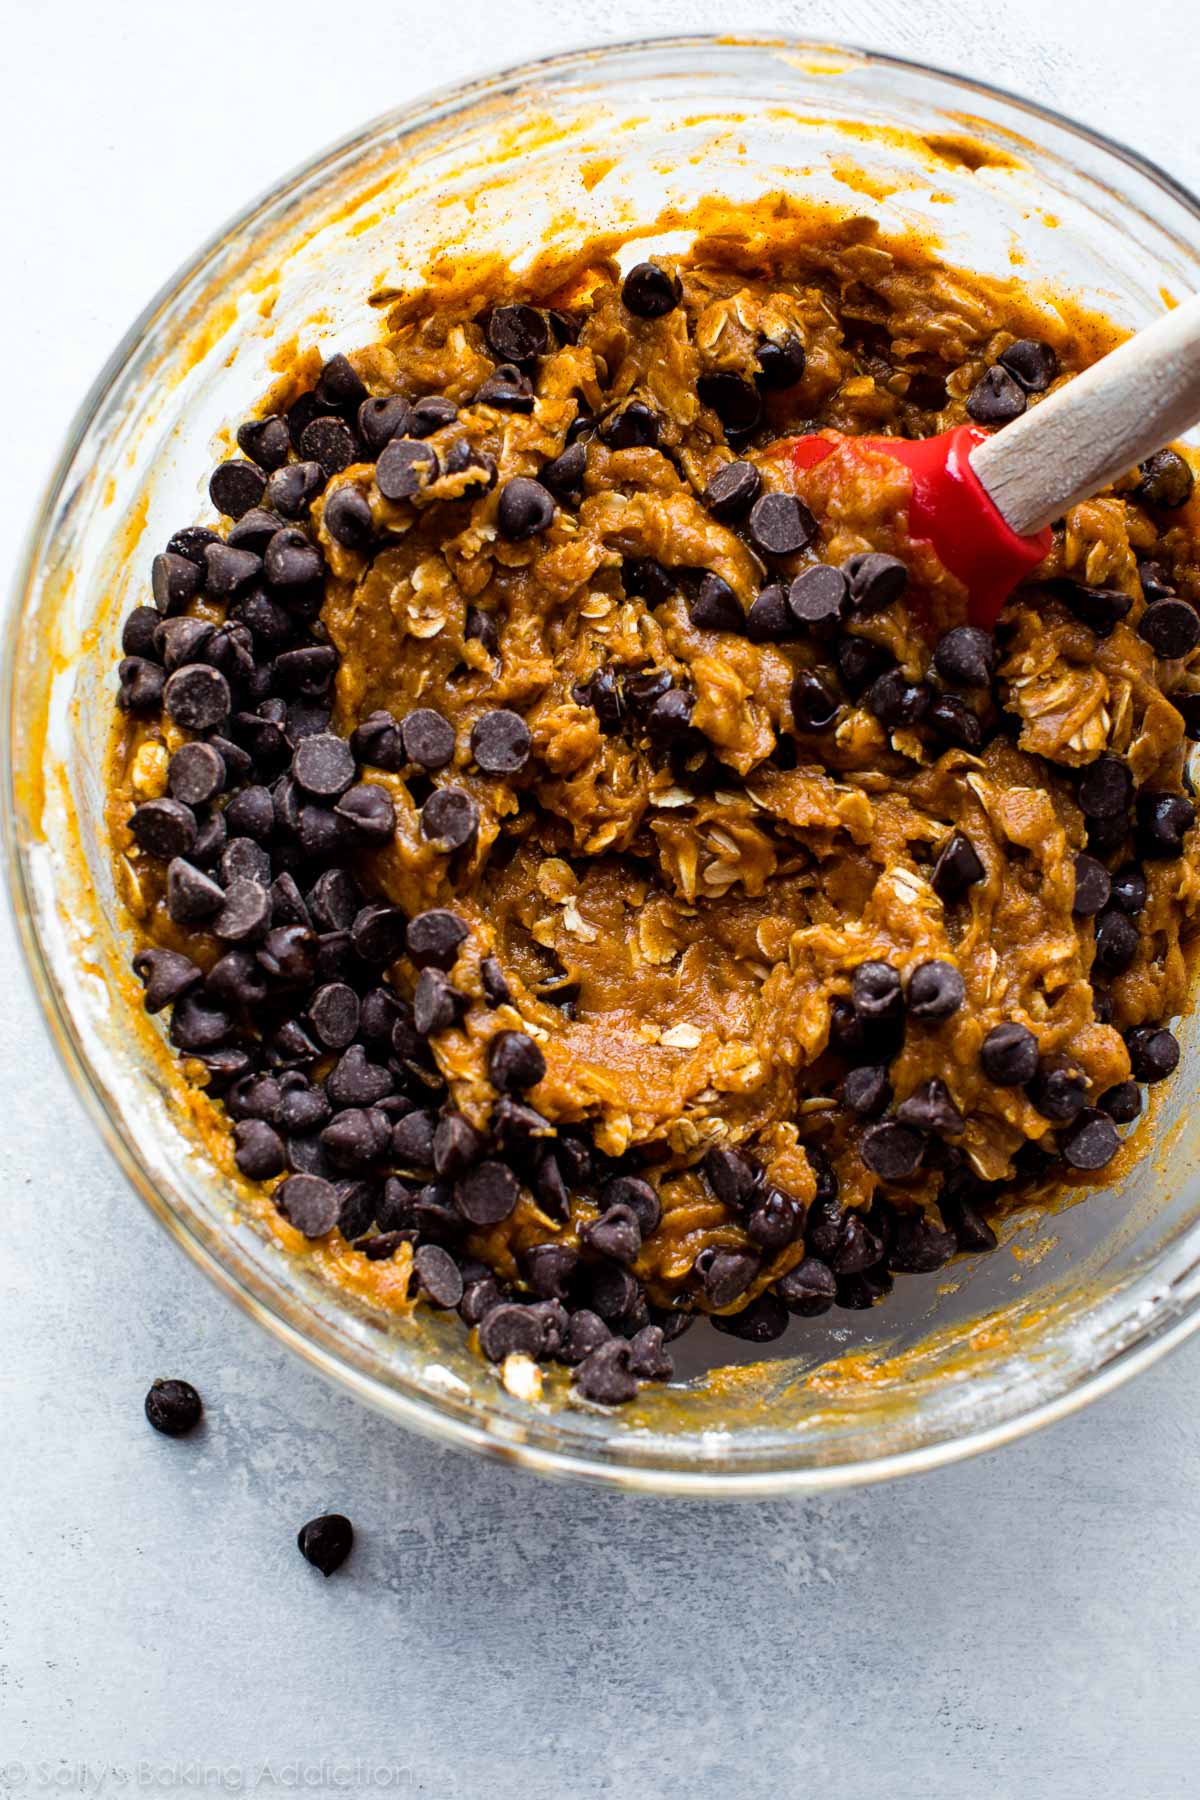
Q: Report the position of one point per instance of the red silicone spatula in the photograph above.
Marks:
(985, 503)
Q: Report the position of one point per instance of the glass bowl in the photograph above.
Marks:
(604, 140)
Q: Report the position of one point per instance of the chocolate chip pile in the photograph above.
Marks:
(695, 929)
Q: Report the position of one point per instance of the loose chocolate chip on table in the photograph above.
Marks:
(515, 1062)
(1090, 1141)
(876, 581)
(615, 1234)
(173, 1407)
(259, 1151)
(877, 992)
(326, 1542)
(724, 1274)
(1009, 1054)
(427, 738)
(437, 1004)
(1059, 1089)
(732, 490)
(1170, 627)
(935, 991)
(165, 975)
(769, 620)
(930, 1108)
(526, 508)
(996, 398)
(814, 705)
(1166, 480)
(438, 1275)
(650, 291)
(1122, 1102)
(716, 606)
(449, 818)
(308, 1202)
(191, 894)
(1153, 1053)
(1162, 820)
(892, 1150)
(782, 362)
(517, 334)
(291, 559)
(808, 1289)
(737, 403)
(780, 525)
(896, 701)
(1032, 363)
(197, 697)
(164, 828)
(406, 466)
(323, 765)
(867, 1090)
(235, 487)
(378, 933)
(1106, 787)
(1093, 886)
(265, 441)
(487, 1193)
(732, 1177)
(966, 656)
(500, 742)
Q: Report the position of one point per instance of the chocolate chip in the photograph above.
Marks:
(996, 398)
(1009, 1054)
(918, 1247)
(818, 598)
(163, 828)
(290, 489)
(716, 606)
(308, 1202)
(237, 980)
(1153, 1053)
(966, 656)
(1059, 1089)
(634, 426)
(631, 1192)
(935, 991)
(953, 720)
(195, 775)
(896, 701)
(378, 933)
(357, 1139)
(456, 1146)
(174, 580)
(245, 912)
(173, 1407)
(1032, 363)
(877, 992)
(197, 697)
(138, 633)
(323, 765)
(426, 738)
(781, 362)
(814, 706)
(265, 441)
(669, 719)
(867, 1090)
(1100, 609)
(1170, 627)
(487, 1193)
(191, 895)
(1090, 1141)
(517, 334)
(326, 1542)
(515, 1062)
(526, 509)
(615, 1294)
(892, 1150)
(356, 1081)
(930, 1108)
(876, 581)
(405, 468)
(288, 953)
(732, 490)
(1122, 1102)
(438, 1275)
(1129, 888)
(732, 1177)
(198, 1024)
(586, 1331)
(366, 813)
(165, 975)
(808, 1289)
(291, 560)
(330, 443)
(500, 742)
(347, 518)
(180, 641)
(259, 1151)
(1106, 787)
(615, 1234)
(725, 1274)
(437, 1004)
(235, 487)
(564, 475)
(780, 525)
(769, 620)
(647, 1357)
(413, 1139)
(1162, 821)
(776, 1221)
(737, 403)
(958, 867)
(1093, 886)
(333, 1013)
(549, 1269)
(649, 291)
(1167, 480)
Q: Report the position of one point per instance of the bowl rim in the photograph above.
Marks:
(1165, 1327)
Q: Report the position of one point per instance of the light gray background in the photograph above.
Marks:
(1025, 1625)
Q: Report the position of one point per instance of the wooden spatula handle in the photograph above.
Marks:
(1092, 429)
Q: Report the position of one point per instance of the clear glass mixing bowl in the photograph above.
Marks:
(539, 156)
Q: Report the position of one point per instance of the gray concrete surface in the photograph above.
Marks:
(1025, 1625)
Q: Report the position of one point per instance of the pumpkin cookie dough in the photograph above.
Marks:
(599, 871)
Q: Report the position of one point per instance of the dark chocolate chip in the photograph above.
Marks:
(356, 1081)
(776, 1221)
(737, 403)
(500, 742)
(164, 828)
(1129, 888)
(716, 606)
(564, 474)
(456, 1146)
(1153, 1053)
(669, 719)
(549, 1269)
(330, 443)
(427, 738)
(237, 980)
(245, 911)
(265, 441)
(323, 765)
(634, 426)
(438, 1276)
(615, 1234)
(966, 656)
(876, 581)
(515, 1062)
(814, 705)
(1122, 1102)
(1032, 363)
(724, 1274)
(235, 487)
(1059, 1089)
(405, 468)
(191, 894)
(198, 1024)
(817, 599)
(780, 525)
(996, 398)
(259, 1151)
(953, 720)
(378, 933)
(434, 938)
(732, 490)
(173, 1407)
(290, 489)
(1090, 1141)
(430, 414)
(526, 509)
(808, 1289)
(165, 975)
(649, 291)
(449, 818)
(291, 560)
(517, 334)
(935, 991)
(326, 1542)
(782, 362)
(437, 1004)
(357, 1138)
(1093, 886)
(197, 697)
(487, 1193)
(958, 867)
(896, 701)
(877, 992)
(333, 1013)
(1171, 628)
(931, 1108)
(769, 620)
(174, 580)
(732, 1177)
(647, 1357)
(1009, 1054)
(867, 1090)
(1162, 821)
(892, 1150)
(347, 518)
(496, 990)
(1106, 787)
(366, 814)
(918, 1247)
(1166, 480)
(413, 1139)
